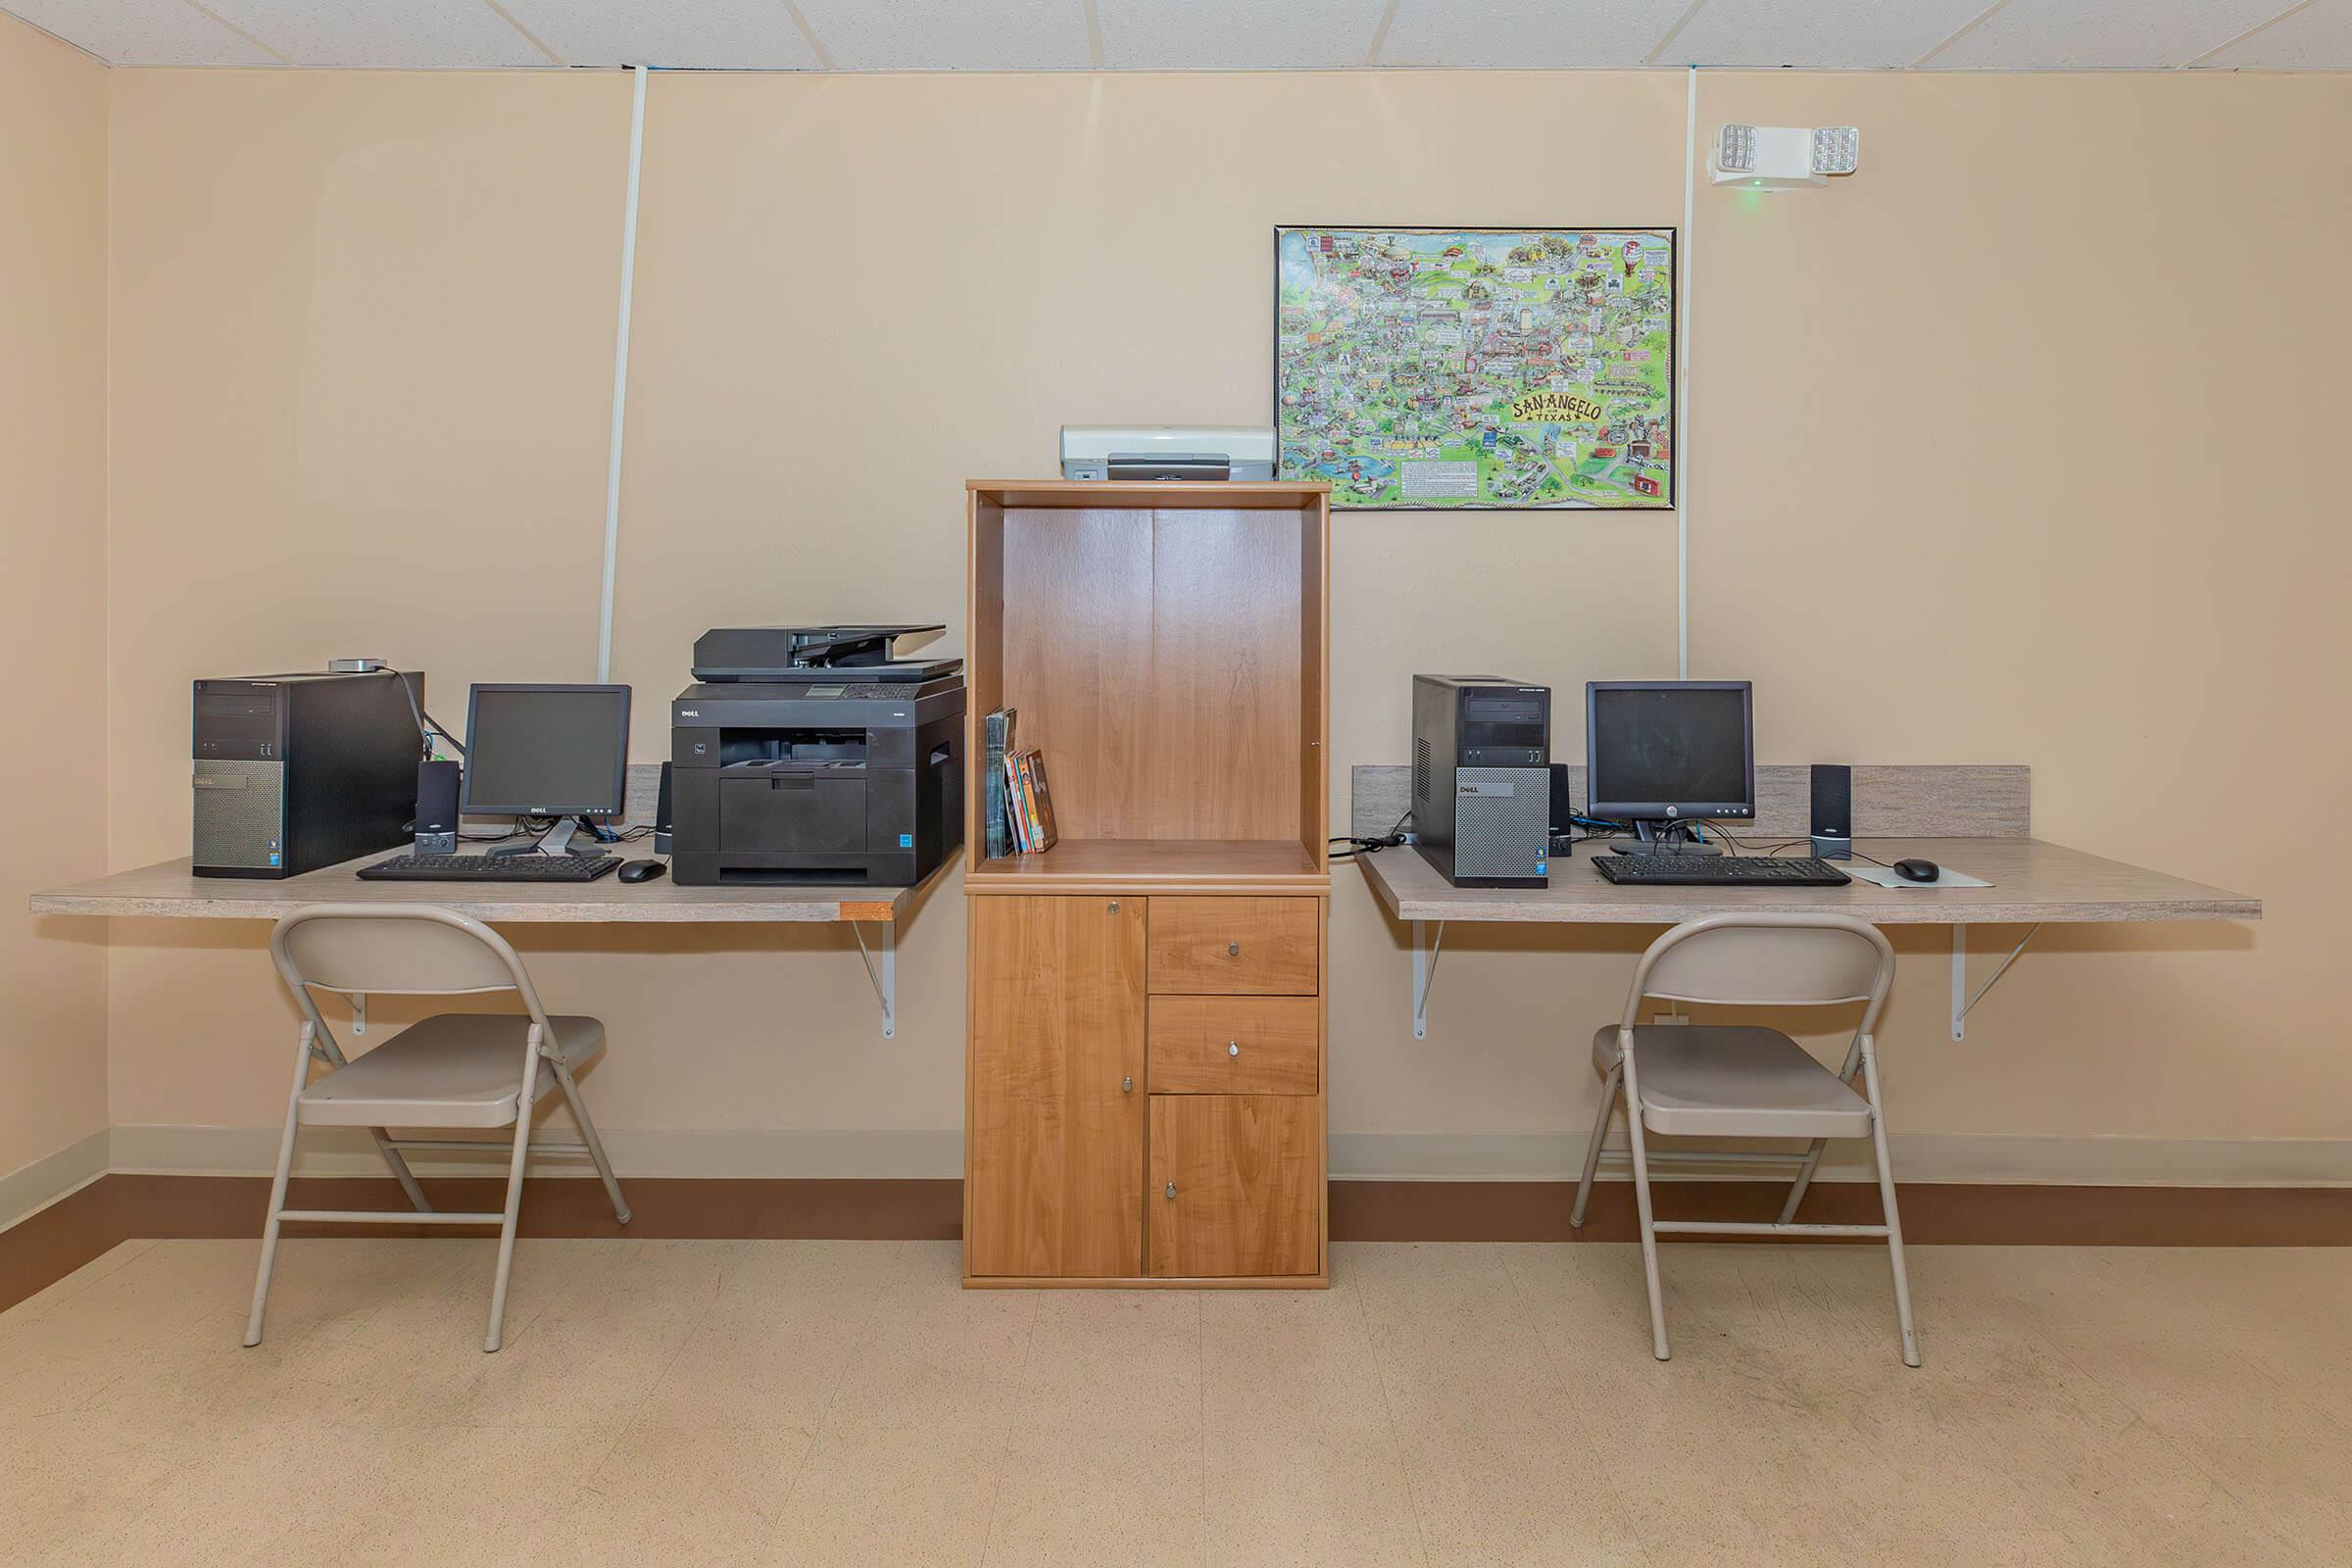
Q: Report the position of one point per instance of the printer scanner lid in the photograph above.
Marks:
(815, 653)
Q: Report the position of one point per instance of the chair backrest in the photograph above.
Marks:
(395, 949)
(1784, 961)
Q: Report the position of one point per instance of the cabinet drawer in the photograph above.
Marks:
(1234, 1045)
(1237, 1186)
(1263, 946)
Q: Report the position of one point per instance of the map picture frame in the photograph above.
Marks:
(1457, 368)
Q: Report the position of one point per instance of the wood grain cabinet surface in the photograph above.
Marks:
(1244, 946)
(1234, 1045)
(1237, 1184)
(1147, 1049)
(1053, 1179)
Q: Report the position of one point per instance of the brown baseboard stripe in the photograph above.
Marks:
(1934, 1213)
(48, 1246)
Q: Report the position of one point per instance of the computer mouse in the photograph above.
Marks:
(1908, 870)
(643, 871)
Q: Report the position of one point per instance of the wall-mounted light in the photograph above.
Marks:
(1782, 157)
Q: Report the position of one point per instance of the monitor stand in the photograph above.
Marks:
(1663, 838)
(557, 840)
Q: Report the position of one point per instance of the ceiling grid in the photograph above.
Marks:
(857, 35)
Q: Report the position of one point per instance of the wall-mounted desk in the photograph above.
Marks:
(1971, 819)
(170, 891)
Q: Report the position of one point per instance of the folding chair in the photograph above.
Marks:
(1740, 1081)
(451, 1070)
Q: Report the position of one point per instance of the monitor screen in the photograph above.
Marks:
(1651, 745)
(546, 751)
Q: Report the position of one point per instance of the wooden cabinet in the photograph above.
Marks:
(1237, 1186)
(1147, 1058)
(1054, 1173)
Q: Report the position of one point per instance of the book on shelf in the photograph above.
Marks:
(1030, 807)
(996, 728)
(1017, 826)
(1042, 801)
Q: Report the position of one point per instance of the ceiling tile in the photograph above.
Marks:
(2319, 39)
(1528, 32)
(1237, 34)
(683, 34)
(951, 34)
(141, 33)
(417, 34)
(1817, 32)
(2045, 34)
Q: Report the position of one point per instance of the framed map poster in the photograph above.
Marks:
(1431, 370)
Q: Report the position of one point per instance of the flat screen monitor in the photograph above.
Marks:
(1669, 750)
(546, 751)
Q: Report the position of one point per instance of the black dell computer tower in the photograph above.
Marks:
(1482, 779)
(294, 773)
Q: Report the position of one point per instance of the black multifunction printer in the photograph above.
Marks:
(812, 754)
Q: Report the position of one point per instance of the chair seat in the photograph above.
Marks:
(454, 1069)
(1733, 1081)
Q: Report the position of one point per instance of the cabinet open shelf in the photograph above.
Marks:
(1162, 645)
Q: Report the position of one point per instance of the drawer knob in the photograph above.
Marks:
(1115, 907)
(1171, 1189)
(1232, 1048)
(1127, 1086)
(1233, 950)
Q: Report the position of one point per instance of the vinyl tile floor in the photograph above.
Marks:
(816, 1403)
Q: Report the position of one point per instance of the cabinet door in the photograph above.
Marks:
(1237, 1184)
(1055, 1166)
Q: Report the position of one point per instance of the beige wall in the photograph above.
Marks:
(52, 598)
(2053, 362)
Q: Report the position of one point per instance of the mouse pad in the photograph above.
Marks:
(1888, 876)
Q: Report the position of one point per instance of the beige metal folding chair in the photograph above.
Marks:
(1740, 1081)
(451, 1070)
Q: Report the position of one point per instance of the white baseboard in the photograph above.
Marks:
(886, 1154)
(29, 1189)
(923, 1152)
(1917, 1157)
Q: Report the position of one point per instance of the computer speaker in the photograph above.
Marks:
(437, 825)
(662, 814)
(1833, 811)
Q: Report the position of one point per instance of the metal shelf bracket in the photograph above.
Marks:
(1962, 1003)
(1427, 938)
(881, 968)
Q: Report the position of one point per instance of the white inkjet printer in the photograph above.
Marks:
(1167, 452)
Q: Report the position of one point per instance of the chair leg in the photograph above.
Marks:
(1601, 1130)
(1894, 1225)
(1804, 1179)
(400, 1170)
(1649, 1236)
(278, 1189)
(506, 1229)
(596, 1145)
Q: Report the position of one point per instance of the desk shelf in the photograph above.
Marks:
(173, 891)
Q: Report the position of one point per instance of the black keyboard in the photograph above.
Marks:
(1719, 871)
(490, 868)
